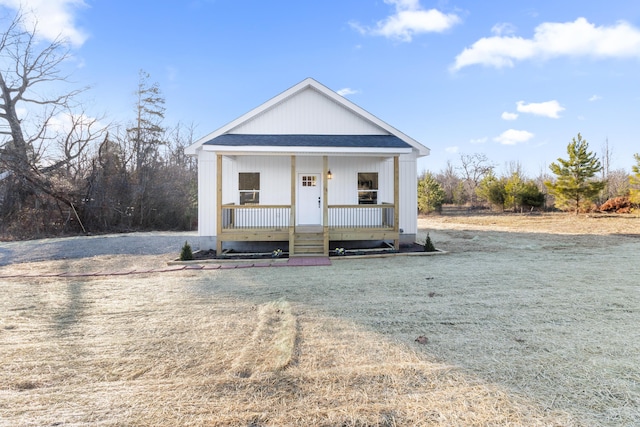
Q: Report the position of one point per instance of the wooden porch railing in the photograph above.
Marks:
(277, 217)
(362, 216)
(252, 217)
(274, 223)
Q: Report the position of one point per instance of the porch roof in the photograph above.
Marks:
(318, 141)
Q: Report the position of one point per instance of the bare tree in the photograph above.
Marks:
(514, 167)
(617, 183)
(606, 170)
(545, 176)
(449, 180)
(34, 149)
(474, 167)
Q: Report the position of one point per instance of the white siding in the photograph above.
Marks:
(408, 194)
(308, 164)
(309, 112)
(207, 194)
(275, 173)
(343, 188)
(230, 192)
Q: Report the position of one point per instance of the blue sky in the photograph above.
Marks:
(515, 80)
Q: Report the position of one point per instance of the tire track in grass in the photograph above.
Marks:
(271, 346)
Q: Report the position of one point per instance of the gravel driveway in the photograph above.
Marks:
(151, 243)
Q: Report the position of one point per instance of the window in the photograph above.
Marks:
(309, 181)
(249, 186)
(367, 188)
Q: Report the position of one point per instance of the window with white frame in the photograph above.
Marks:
(367, 188)
(249, 186)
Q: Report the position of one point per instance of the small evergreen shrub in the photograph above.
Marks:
(428, 245)
(186, 254)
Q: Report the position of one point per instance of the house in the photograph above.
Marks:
(303, 171)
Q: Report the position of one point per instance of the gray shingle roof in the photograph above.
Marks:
(352, 141)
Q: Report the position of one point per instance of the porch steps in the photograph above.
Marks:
(308, 244)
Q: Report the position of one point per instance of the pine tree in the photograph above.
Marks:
(146, 136)
(522, 193)
(428, 245)
(574, 184)
(430, 194)
(634, 181)
(186, 254)
(492, 189)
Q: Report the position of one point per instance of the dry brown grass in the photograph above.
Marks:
(554, 223)
(522, 331)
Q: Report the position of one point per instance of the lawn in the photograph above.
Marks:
(529, 320)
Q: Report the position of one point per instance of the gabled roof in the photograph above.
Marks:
(233, 135)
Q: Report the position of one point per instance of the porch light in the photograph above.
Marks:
(329, 174)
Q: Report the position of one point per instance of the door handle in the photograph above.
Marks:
(318, 201)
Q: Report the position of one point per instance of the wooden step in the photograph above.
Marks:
(308, 236)
(309, 251)
(308, 244)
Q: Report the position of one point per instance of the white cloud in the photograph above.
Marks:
(579, 38)
(503, 28)
(509, 116)
(547, 109)
(513, 137)
(454, 149)
(63, 123)
(347, 91)
(410, 19)
(53, 18)
(595, 98)
(479, 140)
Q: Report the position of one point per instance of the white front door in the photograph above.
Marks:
(309, 201)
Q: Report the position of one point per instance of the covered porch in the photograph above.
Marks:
(366, 221)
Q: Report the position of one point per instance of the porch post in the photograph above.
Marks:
(396, 201)
(325, 204)
(292, 210)
(218, 204)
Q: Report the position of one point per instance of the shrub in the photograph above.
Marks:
(430, 194)
(428, 245)
(186, 254)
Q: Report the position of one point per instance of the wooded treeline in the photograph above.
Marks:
(64, 171)
(583, 182)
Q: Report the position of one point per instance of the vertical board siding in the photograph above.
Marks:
(230, 192)
(408, 194)
(207, 171)
(275, 172)
(310, 164)
(309, 112)
(343, 188)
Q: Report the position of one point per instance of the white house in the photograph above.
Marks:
(303, 171)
